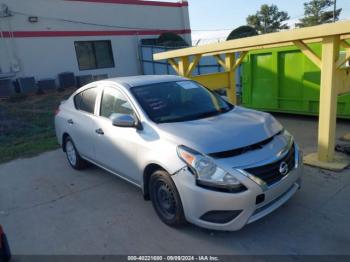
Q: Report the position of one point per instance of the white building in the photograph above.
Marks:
(43, 38)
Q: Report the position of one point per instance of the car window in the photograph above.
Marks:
(113, 101)
(86, 100)
(179, 101)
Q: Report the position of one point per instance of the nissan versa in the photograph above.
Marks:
(194, 155)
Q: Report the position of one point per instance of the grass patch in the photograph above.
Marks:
(27, 125)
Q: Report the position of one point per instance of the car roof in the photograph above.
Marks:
(132, 81)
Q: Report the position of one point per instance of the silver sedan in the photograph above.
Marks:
(195, 156)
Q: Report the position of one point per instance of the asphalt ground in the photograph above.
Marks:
(47, 208)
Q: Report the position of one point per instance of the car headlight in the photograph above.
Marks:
(208, 174)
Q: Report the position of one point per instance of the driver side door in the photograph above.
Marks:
(117, 147)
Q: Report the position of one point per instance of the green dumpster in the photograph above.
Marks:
(285, 80)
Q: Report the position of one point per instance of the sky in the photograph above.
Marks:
(217, 15)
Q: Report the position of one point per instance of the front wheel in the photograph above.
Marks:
(165, 199)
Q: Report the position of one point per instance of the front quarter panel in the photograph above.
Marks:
(158, 151)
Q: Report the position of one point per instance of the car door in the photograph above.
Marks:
(117, 147)
(81, 122)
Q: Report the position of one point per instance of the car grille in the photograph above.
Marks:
(270, 173)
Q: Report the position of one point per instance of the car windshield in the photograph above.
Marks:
(179, 101)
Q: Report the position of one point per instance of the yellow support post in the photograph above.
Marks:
(184, 63)
(173, 63)
(328, 99)
(325, 156)
(231, 89)
(193, 65)
(308, 53)
(221, 62)
(240, 60)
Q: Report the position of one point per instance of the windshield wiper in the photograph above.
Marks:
(207, 114)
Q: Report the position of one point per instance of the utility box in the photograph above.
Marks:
(285, 80)
(27, 85)
(84, 80)
(47, 85)
(6, 88)
(66, 80)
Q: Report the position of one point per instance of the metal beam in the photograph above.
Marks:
(308, 53)
(183, 64)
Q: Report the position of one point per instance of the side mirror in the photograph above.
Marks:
(122, 120)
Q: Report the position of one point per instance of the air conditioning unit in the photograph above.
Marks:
(6, 88)
(84, 80)
(27, 85)
(66, 80)
(47, 85)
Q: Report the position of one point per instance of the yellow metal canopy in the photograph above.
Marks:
(335, 80)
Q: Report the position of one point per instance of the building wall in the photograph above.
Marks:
(46, 48)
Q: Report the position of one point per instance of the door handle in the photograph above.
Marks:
(99, 131)
(70, 121)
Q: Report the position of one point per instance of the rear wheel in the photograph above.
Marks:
(165, 199)
(73, 157)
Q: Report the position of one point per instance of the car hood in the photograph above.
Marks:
(238, 128)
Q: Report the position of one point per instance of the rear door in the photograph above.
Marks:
(81, 122)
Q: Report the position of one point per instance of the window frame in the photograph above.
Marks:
(95, 106)
(126, 96)
(110, 49)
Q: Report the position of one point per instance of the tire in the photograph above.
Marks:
(166, 199)
(5, 252)
(73, 157)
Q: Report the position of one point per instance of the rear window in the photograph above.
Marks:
(85, 101)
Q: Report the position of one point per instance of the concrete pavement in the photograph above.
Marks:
(48, 208)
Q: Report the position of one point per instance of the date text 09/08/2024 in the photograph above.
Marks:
(173, 258)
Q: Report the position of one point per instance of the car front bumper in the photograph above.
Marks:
(198, 201)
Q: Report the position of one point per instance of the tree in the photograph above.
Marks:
(316, 13)
(171, 39)
(268, 19)
(241, 32)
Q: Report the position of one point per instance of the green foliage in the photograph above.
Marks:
(241, 32)
(316, 13)
(268, 19)
(27, 125)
